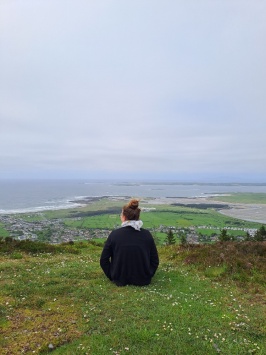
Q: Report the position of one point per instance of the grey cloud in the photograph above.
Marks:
(142, 86)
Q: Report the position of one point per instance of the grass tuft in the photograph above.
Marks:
(11, 246)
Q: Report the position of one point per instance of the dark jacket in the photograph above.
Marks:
(129, 257)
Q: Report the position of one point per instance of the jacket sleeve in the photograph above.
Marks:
(154, 258)
(105, 262)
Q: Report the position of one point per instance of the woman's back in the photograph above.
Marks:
(129, 256)
(134, 257)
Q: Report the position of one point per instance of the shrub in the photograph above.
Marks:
(224, 237)
(260, 234)
(183, 239)
(170, 238)
(11, 245)
(235, 260)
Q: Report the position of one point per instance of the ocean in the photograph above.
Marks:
(17, 196)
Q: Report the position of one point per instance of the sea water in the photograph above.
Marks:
(37, 195)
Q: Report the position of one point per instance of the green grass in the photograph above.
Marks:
(101, 221)
(181, 217)
(100, 205)
(243, 198)
(209, 232)
(193, 306)
(202, 300)
(3, 231)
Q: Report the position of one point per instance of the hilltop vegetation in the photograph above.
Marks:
(204, 299)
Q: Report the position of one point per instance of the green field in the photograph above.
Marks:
(209, 232)
(186, 217)
(248, 198)
(104, 221)
(181, 217)
(99, 205)
(3, 231)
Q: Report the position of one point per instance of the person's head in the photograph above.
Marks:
(131, 211)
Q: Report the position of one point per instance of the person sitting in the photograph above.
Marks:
(129, 256)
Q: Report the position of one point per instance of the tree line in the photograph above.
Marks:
(259, 236)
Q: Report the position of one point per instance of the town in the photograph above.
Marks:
(55, 231)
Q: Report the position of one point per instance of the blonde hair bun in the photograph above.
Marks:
(133, 204)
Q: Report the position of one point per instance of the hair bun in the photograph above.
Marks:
(133, 204)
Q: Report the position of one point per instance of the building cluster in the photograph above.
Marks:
(251, 231)
(194, 237)
(54, 231)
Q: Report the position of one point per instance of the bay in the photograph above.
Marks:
(18, 196)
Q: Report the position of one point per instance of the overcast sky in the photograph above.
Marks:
(133, 89)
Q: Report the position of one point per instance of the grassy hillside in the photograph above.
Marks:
(207, 299)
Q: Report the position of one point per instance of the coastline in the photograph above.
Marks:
(99, 215)
(249, 212)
